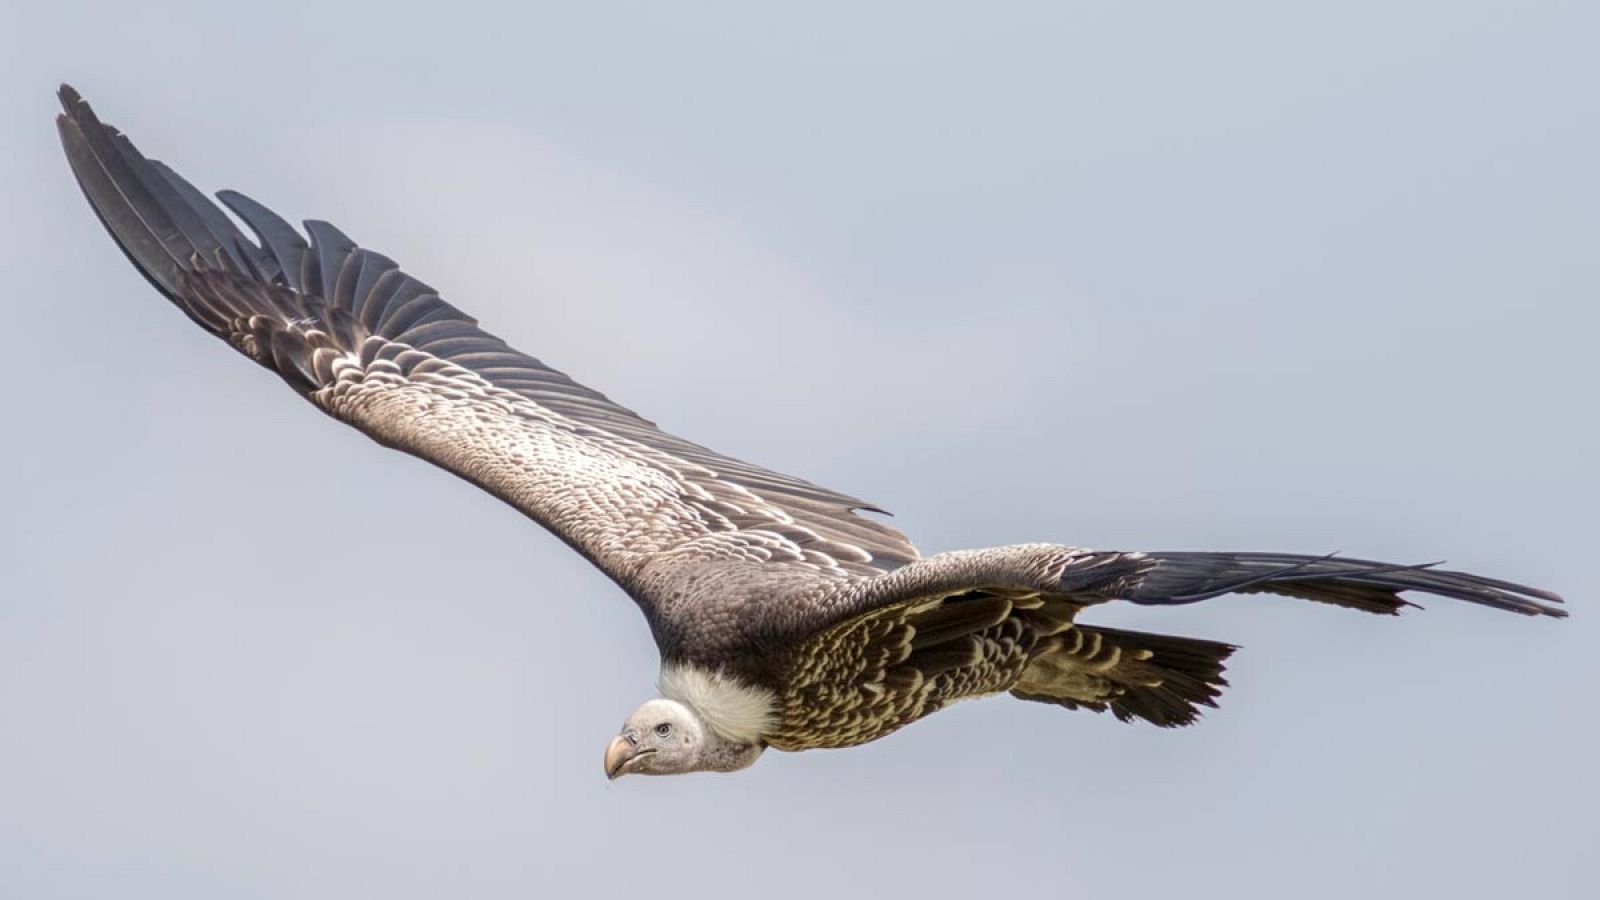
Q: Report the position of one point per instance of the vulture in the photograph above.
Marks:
(784, 617)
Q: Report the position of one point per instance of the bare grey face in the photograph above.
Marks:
(662, 737)
(665, 737)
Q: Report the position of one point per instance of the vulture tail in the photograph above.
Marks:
(1355, 583)
(1160, 679)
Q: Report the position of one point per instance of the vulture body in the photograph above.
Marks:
(784, 617)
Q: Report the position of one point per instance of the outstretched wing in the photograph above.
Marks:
(379, 350)
(1164, 578)
(895, 648)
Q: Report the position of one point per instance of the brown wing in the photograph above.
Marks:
(974, 622)
(381, 351)
(882, 671)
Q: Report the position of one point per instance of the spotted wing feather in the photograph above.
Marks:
(881, 671)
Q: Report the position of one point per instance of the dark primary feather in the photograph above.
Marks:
(301, 306)
(1186, 577)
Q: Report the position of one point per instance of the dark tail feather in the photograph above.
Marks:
(1160, 679)
(1355, 583)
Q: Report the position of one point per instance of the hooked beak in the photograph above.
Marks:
(618, 752)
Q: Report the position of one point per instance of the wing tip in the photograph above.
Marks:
(71, 101)
(75, 108)
(1546, 610)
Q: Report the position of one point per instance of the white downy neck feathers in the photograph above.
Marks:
(734, 710)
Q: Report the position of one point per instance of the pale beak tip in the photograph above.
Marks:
(618, 753)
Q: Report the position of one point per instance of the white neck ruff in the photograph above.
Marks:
(734, 710)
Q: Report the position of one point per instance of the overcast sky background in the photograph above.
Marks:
(1311, 276)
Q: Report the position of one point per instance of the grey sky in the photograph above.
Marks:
(1313, 276)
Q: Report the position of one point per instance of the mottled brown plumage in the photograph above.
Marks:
(784, 617)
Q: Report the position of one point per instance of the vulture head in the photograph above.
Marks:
(667, 737)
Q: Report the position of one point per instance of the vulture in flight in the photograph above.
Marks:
(784, 618)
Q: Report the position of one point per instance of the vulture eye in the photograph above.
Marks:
(663, 729)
